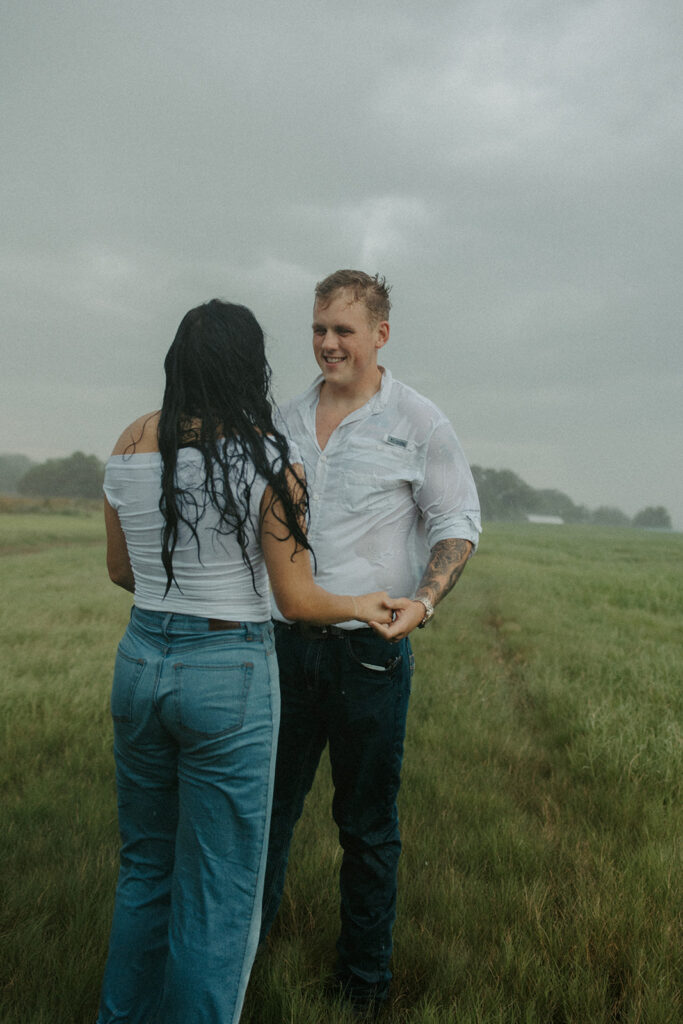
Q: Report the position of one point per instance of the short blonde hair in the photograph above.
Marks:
(373, 291)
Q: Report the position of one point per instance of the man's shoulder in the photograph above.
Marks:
(291, 411)
(415, 406)
(411, 393)
(292, 404)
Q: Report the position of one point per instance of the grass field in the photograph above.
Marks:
(541, 812)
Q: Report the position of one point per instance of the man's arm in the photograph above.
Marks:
(447, 561)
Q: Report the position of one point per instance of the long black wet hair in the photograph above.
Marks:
(217, 400)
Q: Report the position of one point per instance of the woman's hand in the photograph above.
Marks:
(374, 608)
(407, 615)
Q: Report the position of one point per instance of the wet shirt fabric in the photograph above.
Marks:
(212, 580)
(391, 482)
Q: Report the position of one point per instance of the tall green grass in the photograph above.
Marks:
(540, 806)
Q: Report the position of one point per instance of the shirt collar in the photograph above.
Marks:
(374, 405)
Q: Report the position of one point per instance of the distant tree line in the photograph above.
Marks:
(78, 476)
(12, 469)
(502, 493)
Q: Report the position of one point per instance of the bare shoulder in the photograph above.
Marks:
(140, 436)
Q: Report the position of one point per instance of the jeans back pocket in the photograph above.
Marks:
(211, 700)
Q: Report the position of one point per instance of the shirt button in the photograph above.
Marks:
(316, 497)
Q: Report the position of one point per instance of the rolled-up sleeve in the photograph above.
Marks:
(446, 493)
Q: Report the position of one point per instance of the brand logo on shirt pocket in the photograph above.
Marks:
(399, 442)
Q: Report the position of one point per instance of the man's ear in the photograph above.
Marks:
(382, 336)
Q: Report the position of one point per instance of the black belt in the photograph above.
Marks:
(215, 624)
(320, 632)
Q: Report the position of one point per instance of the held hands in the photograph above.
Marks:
(407, 615)
(373, 608)
(393, 618)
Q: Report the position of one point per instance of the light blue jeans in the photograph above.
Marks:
(196, 715)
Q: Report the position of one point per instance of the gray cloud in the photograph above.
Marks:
(514, 170)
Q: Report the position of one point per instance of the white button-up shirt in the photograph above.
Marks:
(391, 482)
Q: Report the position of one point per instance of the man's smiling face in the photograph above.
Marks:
(346, 342)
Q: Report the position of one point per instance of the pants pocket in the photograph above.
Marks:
(127, 672)
(373, 656)
(211, 700)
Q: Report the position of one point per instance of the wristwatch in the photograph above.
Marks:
(429, 611)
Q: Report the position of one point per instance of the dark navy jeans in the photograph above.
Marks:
(352, 692)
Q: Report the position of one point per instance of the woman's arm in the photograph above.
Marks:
(297, 594)
(140, 436)
(118, 562)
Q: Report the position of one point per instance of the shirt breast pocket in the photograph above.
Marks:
(369, 492)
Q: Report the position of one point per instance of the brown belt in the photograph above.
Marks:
(223, 624)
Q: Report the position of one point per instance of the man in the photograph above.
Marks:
(392, 506)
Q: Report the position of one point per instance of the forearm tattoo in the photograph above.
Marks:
(448, 560)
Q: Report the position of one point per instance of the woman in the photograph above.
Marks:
(203, 503)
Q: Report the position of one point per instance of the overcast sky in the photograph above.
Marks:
(512, 166)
